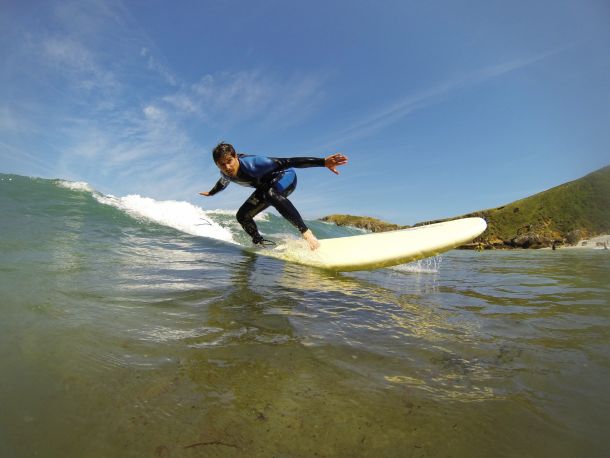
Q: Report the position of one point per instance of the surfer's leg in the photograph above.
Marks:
(246, 213)
(285, 207)
(278, 197)
(288, 211)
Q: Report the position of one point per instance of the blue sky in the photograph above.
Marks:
(443, 107)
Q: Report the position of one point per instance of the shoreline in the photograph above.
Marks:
(599, 242)
(530, 241)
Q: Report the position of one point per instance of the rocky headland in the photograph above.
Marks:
(362, 222)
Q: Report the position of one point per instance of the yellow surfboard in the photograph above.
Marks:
(381, 249)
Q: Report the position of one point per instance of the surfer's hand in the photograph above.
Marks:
(333, 161)
(207, 194)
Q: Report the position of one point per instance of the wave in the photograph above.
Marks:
(182, 216)
(218, 224)
(185, 217)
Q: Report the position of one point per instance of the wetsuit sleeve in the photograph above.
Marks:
(219, 186)
(298, 162)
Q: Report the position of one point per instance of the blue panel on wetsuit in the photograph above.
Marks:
(283, 183)
(257, 166)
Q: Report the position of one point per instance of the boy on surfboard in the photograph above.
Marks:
(274, 180)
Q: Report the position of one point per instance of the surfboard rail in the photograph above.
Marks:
(384, 249)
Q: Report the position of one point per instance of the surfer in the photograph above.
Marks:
(274, 180)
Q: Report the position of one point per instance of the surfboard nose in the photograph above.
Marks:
(474, 226)
(482, 225)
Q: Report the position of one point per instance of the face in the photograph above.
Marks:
(228, 165)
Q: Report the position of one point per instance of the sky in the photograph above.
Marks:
(443, 107)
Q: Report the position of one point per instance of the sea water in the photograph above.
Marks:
(133, 327)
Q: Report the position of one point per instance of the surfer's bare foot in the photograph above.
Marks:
(311, 240)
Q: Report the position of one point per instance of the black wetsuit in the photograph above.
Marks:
(274, 181)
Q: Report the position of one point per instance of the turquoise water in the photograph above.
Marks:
(132, 327)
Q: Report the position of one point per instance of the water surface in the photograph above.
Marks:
(122, 336)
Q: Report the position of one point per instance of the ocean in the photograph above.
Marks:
(132, 327)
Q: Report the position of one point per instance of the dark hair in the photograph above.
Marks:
(223, 149)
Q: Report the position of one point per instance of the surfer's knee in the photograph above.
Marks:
(248, 210)
(287, 210)
(243, 215)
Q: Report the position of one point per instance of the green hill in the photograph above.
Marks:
(563, 214)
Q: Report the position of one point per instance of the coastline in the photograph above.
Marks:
(542, 240)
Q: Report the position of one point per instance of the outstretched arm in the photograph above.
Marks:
(282, 163)
(219, 186)
(330, 162)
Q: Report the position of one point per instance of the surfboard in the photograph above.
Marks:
(380, 249)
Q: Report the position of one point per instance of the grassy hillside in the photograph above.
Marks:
(563, 214)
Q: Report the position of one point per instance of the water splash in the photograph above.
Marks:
(426, 266)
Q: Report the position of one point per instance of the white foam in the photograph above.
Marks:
(294, 250)
(222, 211)
(182, 216)
(75, 185)
(262, 216)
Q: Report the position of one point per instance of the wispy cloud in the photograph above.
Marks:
(228, 98)
(129, 137)
(75, 61)
(13, 122)
(183, 103)
(154, 65)
(423, 99)
(15, 154)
